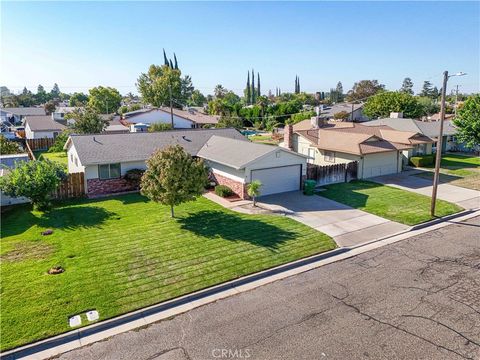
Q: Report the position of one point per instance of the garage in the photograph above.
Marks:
(278, 179)
(380, 164)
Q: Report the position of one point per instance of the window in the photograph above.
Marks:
(71, 157)
(109, 171)
(76, 162)
(311, 156)
(329, 156)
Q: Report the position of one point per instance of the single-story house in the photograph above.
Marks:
(427, 128)
(40, 127)
(378, 150)
(233, 160)
(16, 115)
(61, 111)
(182, 119)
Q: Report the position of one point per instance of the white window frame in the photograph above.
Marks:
(329, 156)
(110, 171)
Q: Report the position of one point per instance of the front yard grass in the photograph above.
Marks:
(124, 253)
(458, 170)
(388, 202)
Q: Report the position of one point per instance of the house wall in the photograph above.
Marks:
(158, 116)
(276, 159)
(380, 164)
(29, 134)
(74, 164)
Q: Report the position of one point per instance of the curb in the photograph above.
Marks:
(74, 339)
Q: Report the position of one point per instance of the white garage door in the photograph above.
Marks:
(278, 179)
(380, 164)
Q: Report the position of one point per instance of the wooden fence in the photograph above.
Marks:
(40, 144)
(331, 174)
(73, 186)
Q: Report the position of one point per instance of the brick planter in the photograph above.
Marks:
(110, 186)
(237, 187)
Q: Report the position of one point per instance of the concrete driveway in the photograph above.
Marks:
(466, 198)
(347, 226)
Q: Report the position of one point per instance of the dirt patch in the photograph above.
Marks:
(56, 270)
(27, 250)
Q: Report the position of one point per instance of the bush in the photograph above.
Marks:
(223, 191)
(134, 175)
(420, 161)
(60, 141)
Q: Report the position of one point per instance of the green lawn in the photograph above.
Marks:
(459, 170)
(60, 157)
(124, 253)
(264, 139)
(388, 202)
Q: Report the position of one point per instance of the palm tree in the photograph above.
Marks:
(254, 190)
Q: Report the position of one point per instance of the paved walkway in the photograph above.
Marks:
(466, 198)
(346, 225)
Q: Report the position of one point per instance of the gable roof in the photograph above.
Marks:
(24, 111)
(430, 129)
(192, 115)
(236, 153)
(329, 111)
(43, 123)
(113, 148)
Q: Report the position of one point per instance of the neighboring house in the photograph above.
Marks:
(234, 161)
(427, 128)
(182, 119)
(378, 150)
(61, 111)
(8, 162)
(116, 127)
(16, 115)
(327, 112)
(40, 127)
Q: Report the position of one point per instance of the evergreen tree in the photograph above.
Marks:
(171, 64)
(258, 85)
(427, 89)
(165, 60)
(298, 85)
(176, 63)
(339, 91)
(253, 87)
(248, 94)
(407, 86)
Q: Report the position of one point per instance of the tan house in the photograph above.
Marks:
(379, 150)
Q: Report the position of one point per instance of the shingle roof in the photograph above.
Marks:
(193, 115)
(112, 148)
(235, 153)
(24, 111)
(430, 129)
(43, 123)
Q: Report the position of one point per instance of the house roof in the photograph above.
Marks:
(43, 123)
(192, 115)
(329, 111)
(236, 153)
(430, 129)
(307, 124)
(24, 111)
(112, 148)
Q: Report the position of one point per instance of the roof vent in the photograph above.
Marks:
(185, 138)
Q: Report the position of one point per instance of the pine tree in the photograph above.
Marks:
(253, 87)
(171, 64)
(258, 84)
(248, 94)
(298, 85)
(176, 63)
(339, 90)
(165, 60)
(407, 86)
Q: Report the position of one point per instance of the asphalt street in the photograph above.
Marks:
(415, 299)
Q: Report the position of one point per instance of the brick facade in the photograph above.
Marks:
(237, 187)
(288, 136)
(110, 186)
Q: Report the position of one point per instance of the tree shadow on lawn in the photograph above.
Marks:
(66, 218)
(348, 193)
(233, 227)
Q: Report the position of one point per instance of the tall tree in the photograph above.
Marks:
(41, 95)
(382, 104)
(428, 90)
(176, 62)
(173, 177)
(156, 85)
(78, 99)
(248, 91)
(258, 85)
(363, 89)
(165, 60)
(104, 100)
(253, 88)
(55, 92)
(468, 122)
(407, 86)
(339, 88)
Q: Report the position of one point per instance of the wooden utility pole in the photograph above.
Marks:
(438, 157)
(171, 105)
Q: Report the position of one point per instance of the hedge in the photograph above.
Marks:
(223, 191)
(420, 161)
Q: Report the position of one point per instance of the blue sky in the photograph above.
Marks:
(84, 44)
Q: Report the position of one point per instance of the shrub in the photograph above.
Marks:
(60, 141)
(134, 175)
(420, 161)
(223, 191)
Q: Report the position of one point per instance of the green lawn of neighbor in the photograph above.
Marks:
(123, 253)
(388, 202)
(60, 157)
(264, 139)
(458, 170)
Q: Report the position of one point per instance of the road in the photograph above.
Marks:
(415, 299)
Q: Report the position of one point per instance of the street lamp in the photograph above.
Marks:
(438, 157)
